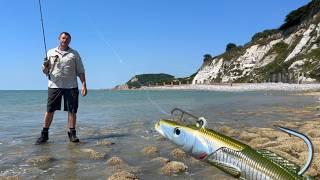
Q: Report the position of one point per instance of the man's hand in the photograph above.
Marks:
(84, 90)
(82, 77)
(46, 63)
(45, 66)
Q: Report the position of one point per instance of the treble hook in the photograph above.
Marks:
(307, 141)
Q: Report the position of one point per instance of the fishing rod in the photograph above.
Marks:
(45, 63)
(43, 34)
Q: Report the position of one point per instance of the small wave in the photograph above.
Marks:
(13, 172)
(16, 142)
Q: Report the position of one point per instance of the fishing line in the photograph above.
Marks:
(101, 36)
(155, 104)
(161, 110)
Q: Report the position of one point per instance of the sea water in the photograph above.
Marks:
(127, 119)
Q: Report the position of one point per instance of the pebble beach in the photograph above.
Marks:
(236, 87)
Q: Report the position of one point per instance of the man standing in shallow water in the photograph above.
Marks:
(62, 67)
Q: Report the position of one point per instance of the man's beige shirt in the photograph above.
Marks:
(65, 66)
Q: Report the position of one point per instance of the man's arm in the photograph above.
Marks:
(82, 77)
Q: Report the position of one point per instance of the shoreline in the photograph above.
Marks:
(239, 87)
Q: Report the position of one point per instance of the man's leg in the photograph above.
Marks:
(71, 101)
(72, 119)
(48, 116)
(53, 104)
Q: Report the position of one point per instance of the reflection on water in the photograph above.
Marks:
(127, 118)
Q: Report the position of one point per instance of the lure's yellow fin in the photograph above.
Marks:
(233, 171)
(277, 159)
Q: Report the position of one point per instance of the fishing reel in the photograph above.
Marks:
(46, 62)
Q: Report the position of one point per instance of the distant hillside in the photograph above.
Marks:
(290, 53)
(155, 79)
(146, 79)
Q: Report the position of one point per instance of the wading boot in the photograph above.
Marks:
(72, 136)
(43, 138)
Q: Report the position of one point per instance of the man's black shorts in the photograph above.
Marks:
(70, 99)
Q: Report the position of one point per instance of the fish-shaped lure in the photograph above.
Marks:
(232, 156)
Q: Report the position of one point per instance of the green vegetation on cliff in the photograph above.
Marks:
(276, 66)
(232, 51)
(311, 64)
(301, 14)
(154, 79)
(149, 79)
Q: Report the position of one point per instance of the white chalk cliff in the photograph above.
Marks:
(293, 50)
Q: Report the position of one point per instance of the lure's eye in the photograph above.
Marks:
(176, 131)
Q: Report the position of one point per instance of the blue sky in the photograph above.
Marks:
(118, 39)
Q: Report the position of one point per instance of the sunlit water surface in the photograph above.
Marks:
(126, 118)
